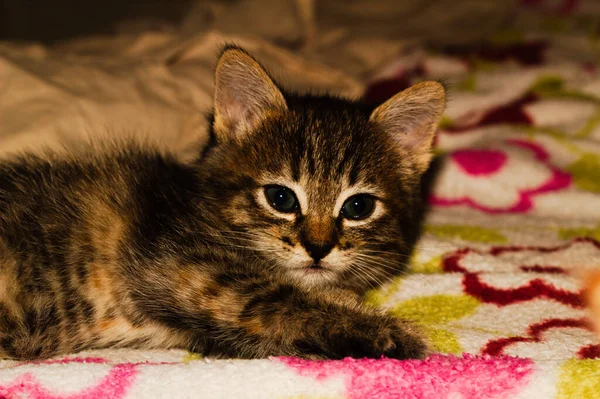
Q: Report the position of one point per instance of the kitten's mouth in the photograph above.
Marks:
(315, 268)
(313, 273)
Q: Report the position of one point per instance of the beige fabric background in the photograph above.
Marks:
(153, 80)
(154, 86)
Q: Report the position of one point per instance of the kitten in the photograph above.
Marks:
(261, 247)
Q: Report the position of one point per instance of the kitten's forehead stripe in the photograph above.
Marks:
(354, 173)
(295, 168)
(309, 159)
(322, 148)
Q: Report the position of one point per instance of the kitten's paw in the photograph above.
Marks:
(400, 340)
(374, 337)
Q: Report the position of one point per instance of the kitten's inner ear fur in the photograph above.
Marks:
(411, 118)
(244, 95)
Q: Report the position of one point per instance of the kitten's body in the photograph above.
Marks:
(130, 247)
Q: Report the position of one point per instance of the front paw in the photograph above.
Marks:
(371, 336)
(400, 339)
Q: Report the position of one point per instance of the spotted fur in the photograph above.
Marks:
(126, 246)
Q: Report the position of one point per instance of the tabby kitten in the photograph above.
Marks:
(260, 247)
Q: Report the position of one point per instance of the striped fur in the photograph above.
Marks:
(126, 246)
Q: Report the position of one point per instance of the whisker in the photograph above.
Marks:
(375, 263)
(361, 274)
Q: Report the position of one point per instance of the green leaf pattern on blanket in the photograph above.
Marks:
(589, 126)
(579, 379)
(507, 36)
(445, 123)
(570, 233)
(548, 85)
(467, 233)
(555, 24)
(435, 312)
(552, 86)
(431, 266)
(586, 172)
(190, 356)
(484, 65)
(468, 83)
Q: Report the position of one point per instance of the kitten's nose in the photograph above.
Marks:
(317, 250)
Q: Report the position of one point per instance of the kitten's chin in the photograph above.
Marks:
(311, 277)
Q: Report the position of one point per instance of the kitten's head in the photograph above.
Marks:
(325, 189)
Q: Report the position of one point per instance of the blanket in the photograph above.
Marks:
(494, 283)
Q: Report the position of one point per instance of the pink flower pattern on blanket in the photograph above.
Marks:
(468, 377)
(471, 174)
(114, 385)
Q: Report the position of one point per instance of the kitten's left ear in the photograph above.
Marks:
(411, 118)
(244, 95)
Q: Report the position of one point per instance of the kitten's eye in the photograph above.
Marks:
(358, 207)
(281, 198)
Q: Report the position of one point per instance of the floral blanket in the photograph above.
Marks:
(515, 214)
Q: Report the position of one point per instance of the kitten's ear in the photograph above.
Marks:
(411, 118)
(244, 95)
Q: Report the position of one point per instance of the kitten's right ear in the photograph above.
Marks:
(410, 118)
(244, 95)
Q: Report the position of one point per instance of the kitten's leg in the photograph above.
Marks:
(3, 335)
(10, 315)
(9, 328)
(27, 329)
(250, 317)
(285, 321)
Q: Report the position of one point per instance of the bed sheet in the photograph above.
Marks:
(515, 209)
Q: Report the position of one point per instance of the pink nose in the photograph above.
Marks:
(479, 162)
